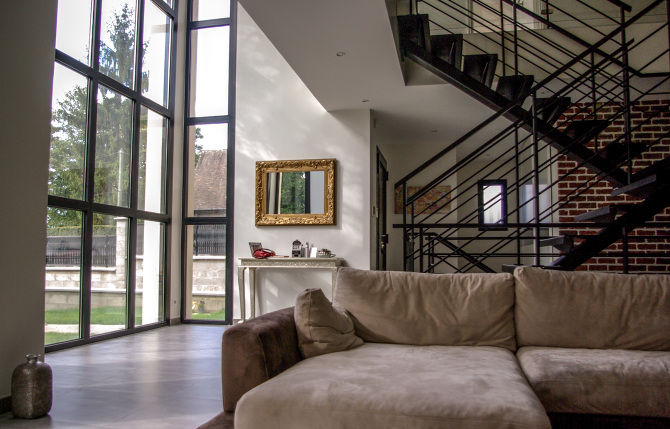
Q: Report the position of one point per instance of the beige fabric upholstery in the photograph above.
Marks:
(429, 309)
(385, 386)
(592, 310)
(618, 382)
(322, 328)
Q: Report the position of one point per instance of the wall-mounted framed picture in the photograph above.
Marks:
(435, 201)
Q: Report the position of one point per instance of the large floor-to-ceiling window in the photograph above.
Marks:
(208, 162)
(111, 139)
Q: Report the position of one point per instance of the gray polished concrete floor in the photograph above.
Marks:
(165, 378)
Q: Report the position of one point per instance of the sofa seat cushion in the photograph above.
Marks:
(396, 386)
(617, 382)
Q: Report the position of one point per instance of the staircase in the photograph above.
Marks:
(554, 107)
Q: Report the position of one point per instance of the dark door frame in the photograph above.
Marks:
(381, 241)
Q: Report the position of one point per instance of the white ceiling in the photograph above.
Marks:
(309, 34)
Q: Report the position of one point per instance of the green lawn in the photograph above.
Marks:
(103, 316)
(217, 315)
(99, 316)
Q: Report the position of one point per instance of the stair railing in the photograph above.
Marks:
(536, 137)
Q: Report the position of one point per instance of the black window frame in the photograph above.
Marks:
(88, 207)
(189, 121)
(501, 224)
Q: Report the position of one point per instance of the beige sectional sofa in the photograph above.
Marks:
(463, 351)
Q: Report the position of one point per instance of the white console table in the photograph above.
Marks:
(283, 263)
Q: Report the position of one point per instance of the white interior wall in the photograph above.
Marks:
(27, 40)
(402, 158)
(279, 119)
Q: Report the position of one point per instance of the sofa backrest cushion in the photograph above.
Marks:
(429, 309)
(592, 310)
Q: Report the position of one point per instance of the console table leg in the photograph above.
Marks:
(332, 284)
(240, 285)
(252, 291)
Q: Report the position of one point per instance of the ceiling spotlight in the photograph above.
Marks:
(341, 54)
(365, 100)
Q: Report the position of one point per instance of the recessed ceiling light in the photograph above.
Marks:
(365, 100)
(341, 54)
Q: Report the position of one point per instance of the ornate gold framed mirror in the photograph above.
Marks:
(298, 192)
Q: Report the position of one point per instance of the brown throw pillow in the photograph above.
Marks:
(322, 328)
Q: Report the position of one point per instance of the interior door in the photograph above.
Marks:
(382, 236)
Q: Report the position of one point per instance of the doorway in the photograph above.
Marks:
(382, 235)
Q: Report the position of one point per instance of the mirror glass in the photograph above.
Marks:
(296, 192)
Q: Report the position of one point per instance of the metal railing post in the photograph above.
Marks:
(502, 39)
(627, 129)
(421, 249)
(518, 196)
(405, 237)
(594, 97)
(536, 180)
(516, 38)
(626, 97)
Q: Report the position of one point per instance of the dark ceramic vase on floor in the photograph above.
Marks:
(31, 388)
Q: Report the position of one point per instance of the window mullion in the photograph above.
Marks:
(89, 192)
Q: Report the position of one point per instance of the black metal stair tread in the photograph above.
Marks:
(643, 187)
(492, 99)
(448, 47)
(550, 109)
(617, 151)
(584, 128)
(564, 243)
(415, 28)
(515, 86)
(603, 214)
(660, 166)
(481, 67)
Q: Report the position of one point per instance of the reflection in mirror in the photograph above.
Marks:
(296, 192)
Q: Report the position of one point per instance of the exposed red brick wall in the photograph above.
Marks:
(657, 240)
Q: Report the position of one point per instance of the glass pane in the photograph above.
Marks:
(73, 31)
(63, 275)
(492, 203)
(209, 71)
(113, 148)
(205, 272)
(210, 9)
(117, 40)
(149, 272)
(153, 138)
(68, 133)
(207, 170)
(156, 56)
(109, 273)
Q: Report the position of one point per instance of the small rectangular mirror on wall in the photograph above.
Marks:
(297, 192)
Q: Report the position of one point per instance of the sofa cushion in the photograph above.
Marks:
(396, 386)
(617, 382)
(592, 310)
(322, 327)
(429, 309)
